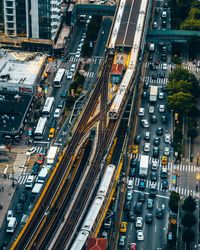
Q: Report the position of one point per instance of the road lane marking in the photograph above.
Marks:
(155, 228)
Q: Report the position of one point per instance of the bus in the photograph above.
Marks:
(58, 78)
(39, 131)
(48, 106)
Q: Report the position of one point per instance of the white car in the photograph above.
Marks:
(141, 112)
(78, 54)
(161, 108)
(146, 147)
(129, 195)
(155, 164)
(166, 151)
(69, 76)
(139, 222)
(151, 109)
(164, 66)
(155, 25)
(145, 123)
(57, 113)
(140, 235)
(73, 67)
(147, 135)
(9, 214)
(31, 151)
(167, 138)
(161, 95)
(122, 241)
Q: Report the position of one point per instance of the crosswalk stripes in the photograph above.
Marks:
(182, 167)
(74, 59)
(192, 68)
(39, 150)
(89, 74)
(160, 66)
(183, 191)
(156, 81)
(22, 179)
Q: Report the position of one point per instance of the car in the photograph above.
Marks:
(122, 239)
(132, 246)
(53, 123)
(135, 149)
(138, 207)
(152, 188)
(152, 67)
(153, 176)
(23, 197)
(164, 66)
(9, 215)
(69, 75)
(166, 151)
(78, 54)
(145, 123)
(161, 95)
(157, 62)
(159, 213)
(164, 119)
(164, 24)
(31, 151)
(151, 109)
(137, 139)
(159, 131)
(162, 75)
(57, 113)
(144, 94)
(146, 85)
(123, 227)
(140, 235)
(131, 215)
(157, 10)
(146, 147)
(150, 57)
(165, 185)
(167, 138)
(40, 159)
(35, 168)
(132, 172)
(73, 67)
(163, 58)
(153, 119)
(154, 76)
(165, 5)
(19, 208)
(129, 195)
(156, 152)
(164, 160)
(154, 164)
(142, 184)
(63, 94)
(156, 141)
(141, 197)
(79, 49)
(61, 104)
(147, 135)
(133, 163)
(141, 112)
(155, 25)
(127, 206)
(150, 203)
(139, 222)
(161, 108)
(149, 218)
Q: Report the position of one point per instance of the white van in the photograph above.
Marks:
(151, 46)
(42, 175)
(164, 14)
(141, 112)
(30, 182)
(11, 225)
(130, 184)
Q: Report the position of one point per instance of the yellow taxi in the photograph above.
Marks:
(164, 160)
(135, 149)
(51, 133)
(123, 227)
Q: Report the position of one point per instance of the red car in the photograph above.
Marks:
(40, 159)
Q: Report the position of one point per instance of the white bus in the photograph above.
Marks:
(48, 106)
(39, 131)
(58, 78)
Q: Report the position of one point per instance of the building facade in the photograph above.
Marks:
(37, 19)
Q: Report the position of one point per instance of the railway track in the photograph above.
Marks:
(25, 240)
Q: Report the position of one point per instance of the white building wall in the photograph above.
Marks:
(10, 25)
(34, 19)
(55, 17)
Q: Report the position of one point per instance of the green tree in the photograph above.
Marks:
(174, 201)
(188, 235)
(175, 86)
(191, 24)
(189, 204)
(188, 220)
(180, 102)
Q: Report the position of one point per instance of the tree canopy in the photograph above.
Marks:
(188, 220)
(173, 201)
(189, 204)
(188, 235)
(180, 102)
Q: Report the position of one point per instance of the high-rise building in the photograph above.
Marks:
(38, 19)
(1, 17)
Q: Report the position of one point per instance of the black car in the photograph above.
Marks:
(137, 139)
(144, 94)
(159, 213)
(63, 93)
(164, 119)
(131, 216)
(150, 203)
(165, 185)
(142, 197)
(164, 24)
(153, 119)
(142, 184)
(19, 208)
(153, 176)
(53, 123)
(132, 172)
(157, 10)
(61, 104)
(161, 75)
(156, 141)
(149, 218)
(146, 85)
(133, 163)
(159, 131)
(35, 168)
(138, 207)
(23, 197)
(127, 206)
(154, 76)
(152, 66)
(163, 58)
(150, 57)
(156, 152)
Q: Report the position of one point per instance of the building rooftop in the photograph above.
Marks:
(96, 243)
(117, 69)
(20, 67)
